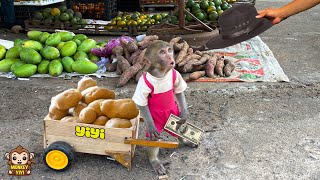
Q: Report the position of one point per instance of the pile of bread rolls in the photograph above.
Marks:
(92, 104)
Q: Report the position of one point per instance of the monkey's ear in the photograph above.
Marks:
(7, 155)
(31, 155)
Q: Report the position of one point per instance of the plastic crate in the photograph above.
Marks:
(23, 13)
(94, 9)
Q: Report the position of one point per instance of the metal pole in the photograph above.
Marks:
(181, 6)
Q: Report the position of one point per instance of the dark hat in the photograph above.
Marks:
(237, 24)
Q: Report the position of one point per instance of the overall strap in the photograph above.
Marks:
(174, 77)
(147, 82)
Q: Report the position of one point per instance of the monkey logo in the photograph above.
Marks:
(19, 161)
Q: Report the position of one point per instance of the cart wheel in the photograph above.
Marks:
(58, 156)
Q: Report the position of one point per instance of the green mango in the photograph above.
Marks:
(2, 52)
(16, 65)
(50, 53)
(67, 64)
(43, 67)
(53, 40)
(30, 56)
(68, 49)
(43, 37)
(81, 37)
(77, 41)
(25, 70)
(55, 68)
(80, 56)
(13, 52)
(34, 35)
(18, 42)
(6, 64)
(87, 45)
(60, 45)
(93, 58)
(32, 44)
(84, 67)
(66, 36)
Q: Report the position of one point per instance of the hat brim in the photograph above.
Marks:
(218, 42)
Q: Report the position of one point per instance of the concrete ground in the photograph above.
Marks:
(252, 130)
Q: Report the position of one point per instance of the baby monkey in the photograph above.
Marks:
(155, 96)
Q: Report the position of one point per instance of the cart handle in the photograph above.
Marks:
(141, 142)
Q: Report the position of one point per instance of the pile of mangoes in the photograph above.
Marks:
(50, 53)
(59, 14)
(205, 10)
(142, 21)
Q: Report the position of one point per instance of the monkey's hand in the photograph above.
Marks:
(183, 106)
(151, 128)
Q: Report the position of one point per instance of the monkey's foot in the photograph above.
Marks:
(158, 167)
(187, 143)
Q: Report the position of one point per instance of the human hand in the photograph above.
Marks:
(273, 15)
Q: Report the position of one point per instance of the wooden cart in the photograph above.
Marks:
(63, 139)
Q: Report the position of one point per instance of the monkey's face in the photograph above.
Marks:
(165, 58)
(17, 158)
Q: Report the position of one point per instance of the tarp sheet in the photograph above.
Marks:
(253, 59)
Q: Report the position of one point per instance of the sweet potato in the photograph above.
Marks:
(202, 60)
(123, 64)
(140, 58)
(118, 50)
(134, 55)
(149, 38)
(144, 45)
(188, 58)
(209, 67)
(178, 46)
(190, 51)
(197, 74)
(219, 67)
(183, 53)
(111, 67)
(129, 73)
(132, 46)
(174, 40)
(139, 74)
(228, 68)
(198, 52)
(126, 53)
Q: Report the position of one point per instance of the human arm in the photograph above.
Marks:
(276, 15)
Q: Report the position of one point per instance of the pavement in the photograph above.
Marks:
(252, 130)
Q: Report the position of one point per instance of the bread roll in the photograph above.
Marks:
(101, 120)
(96, 106)
(119, 108)
(88, 115)
(85, 83)
(55, 113)
(78, 108)
(118, 123)
(95, 93)
(68, 99)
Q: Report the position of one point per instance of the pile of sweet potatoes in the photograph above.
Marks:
(129, 62)
(198, 63)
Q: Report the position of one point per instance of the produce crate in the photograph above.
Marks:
(157, 3)
(96, 29)
(24, 12)
(96, 9)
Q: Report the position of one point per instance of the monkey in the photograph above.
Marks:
(20, 159)
(155, 97)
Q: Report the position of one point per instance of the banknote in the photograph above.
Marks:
(186, 131)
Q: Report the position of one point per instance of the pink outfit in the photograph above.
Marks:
(162, 105)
